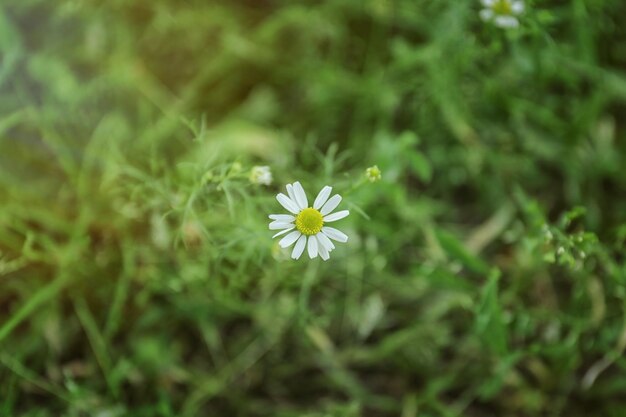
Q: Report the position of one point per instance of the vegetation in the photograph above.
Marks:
(485, 272)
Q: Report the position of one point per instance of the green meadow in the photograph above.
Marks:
(485, 271)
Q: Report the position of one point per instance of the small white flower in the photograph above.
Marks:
(308, 222)
(503, 13)
(261, 175)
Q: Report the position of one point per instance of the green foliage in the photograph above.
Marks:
(485, 272)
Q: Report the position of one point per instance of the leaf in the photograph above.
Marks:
(455, 249)
(373, 311)
(490, 325)
(421, 166)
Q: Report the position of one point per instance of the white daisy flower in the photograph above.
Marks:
(261, 175)
(309, 222)
(503, 13)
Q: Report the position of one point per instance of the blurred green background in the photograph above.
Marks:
(485, 274)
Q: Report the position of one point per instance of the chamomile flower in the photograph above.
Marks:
(503, 13)
(306, 225)
(261, 175)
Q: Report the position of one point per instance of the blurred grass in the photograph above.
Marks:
(484, 277)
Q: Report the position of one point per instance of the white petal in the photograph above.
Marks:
(282, 217)
(488, 3)
(506, 22)
(336, 216)
(300, 195)
(335, 234)
(312, 247)
(325, 241)
(322, 197)
(517, 7)
(282, 232)
(486, 14)
(323, 251)
(291, 193)
(289, 239)
(299, 247)
(331, 204)
(287, 203)
(276, 225)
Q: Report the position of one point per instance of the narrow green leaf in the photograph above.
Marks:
(455, 249)
(490, 326)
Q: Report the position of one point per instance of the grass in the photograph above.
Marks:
(485, 273)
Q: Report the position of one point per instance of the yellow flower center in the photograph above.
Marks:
(502, 7)
(309, 221)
